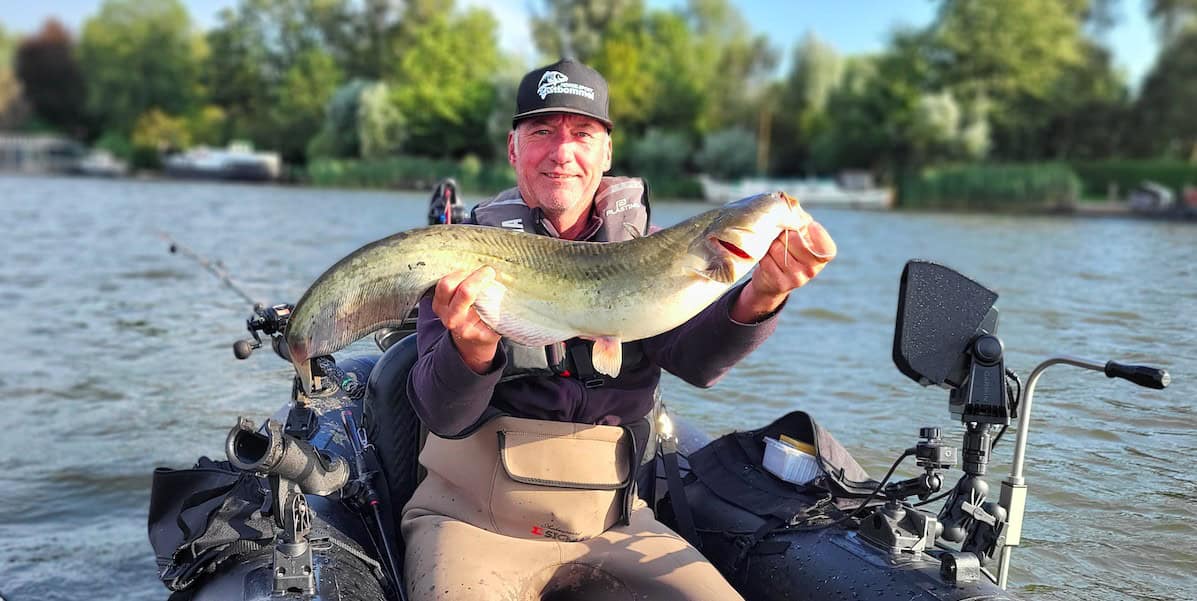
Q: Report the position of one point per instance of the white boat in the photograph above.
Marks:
(100, 163)
(238, 161)
(851, 191)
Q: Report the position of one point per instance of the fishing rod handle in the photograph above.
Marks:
(1143, 375)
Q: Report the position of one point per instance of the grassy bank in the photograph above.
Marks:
(990, 187)
(473, 176)
(410, 173)
(1097, 177)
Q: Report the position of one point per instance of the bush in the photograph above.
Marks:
(117, 144)
(1097, 176)
(411, 173)
(659, 153)
(728, 154)
(994, 187)
(676, 188)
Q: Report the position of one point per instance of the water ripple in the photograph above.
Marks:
(124, 364)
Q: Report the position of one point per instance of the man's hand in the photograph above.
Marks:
(453, 302)
(810, 249)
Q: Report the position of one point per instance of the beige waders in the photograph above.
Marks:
(524, 510)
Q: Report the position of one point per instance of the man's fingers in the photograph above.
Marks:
(818, 242)
(468, 290)
(445, 288)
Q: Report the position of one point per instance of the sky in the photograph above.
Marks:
(850, 26)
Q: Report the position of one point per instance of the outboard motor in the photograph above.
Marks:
(445, 206)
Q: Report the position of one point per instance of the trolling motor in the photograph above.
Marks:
(945, 335)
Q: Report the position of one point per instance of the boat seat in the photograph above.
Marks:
(394, 429)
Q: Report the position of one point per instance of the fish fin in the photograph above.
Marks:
(607, 355)
(509, 321)
(303, 369)
(720, 269)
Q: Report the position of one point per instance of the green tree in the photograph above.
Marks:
(891, 115)
(1172, 17)
(444, 83)
(13, 107)
(576, 28)
(161, 132)
(50, 78)
(1009, 57)
(139, 55)
(660, 153)
(735, 64)
(298, 110)
(799, 104)
(1000, 49)
(359, 121)
(276, 63)
(1084, 114)
(1163, 111)
(728, 154)
(655, 77)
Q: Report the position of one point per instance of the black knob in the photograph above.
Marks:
(242, 349)
(987, 349)
(929, 433)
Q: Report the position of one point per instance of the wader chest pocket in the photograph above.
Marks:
(595, 459)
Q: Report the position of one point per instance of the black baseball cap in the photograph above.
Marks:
(565, 86)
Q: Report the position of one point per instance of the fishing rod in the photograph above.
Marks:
(216, 268)
(272, 321)
(365, 483)
(269, 320)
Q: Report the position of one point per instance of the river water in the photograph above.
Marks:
(118, 360)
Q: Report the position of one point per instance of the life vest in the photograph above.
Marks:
(621, 207)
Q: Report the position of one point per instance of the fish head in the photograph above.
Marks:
(743, 230)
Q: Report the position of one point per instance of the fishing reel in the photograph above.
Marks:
(271, 321)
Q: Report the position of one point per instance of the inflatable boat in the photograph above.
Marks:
(306, 504)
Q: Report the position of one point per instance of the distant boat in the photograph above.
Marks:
(236, 162)
(100, 163)
(853, 190)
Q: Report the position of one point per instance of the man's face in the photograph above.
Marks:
(559, 159)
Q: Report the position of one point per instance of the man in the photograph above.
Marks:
(531, 452)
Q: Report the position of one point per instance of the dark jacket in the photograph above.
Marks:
(450, 398)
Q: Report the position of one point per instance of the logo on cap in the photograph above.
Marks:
(555, 82)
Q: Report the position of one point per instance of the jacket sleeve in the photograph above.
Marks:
(703, 349)
(447, 395)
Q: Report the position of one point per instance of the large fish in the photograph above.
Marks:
(546, 290)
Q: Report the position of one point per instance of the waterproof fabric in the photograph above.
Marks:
(640, 561)
(531, 479)
(732, 468)
(621, 212)
(203, 516)
(529, 509)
